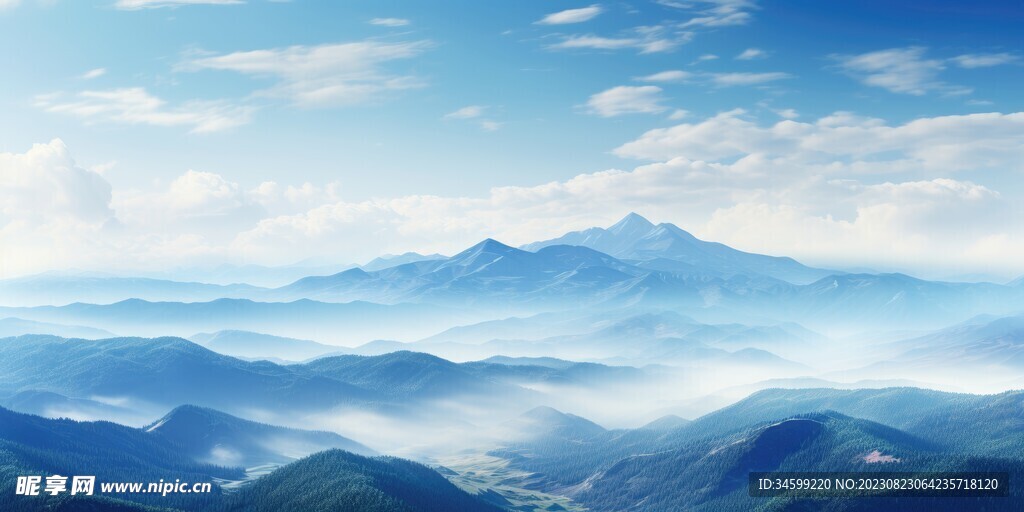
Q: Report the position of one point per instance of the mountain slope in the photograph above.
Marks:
(30, 445)
(338, 480)
(254, 345)
(217, 438)
(347, 323)
(164, 371)
(51, 289)
(636, 238)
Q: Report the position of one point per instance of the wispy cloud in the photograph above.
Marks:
(983, 60)
(651, 39)
(470, 112)
(571, 16)
(674, 75)
(751, 54)
(341, 74)
(721, 13)
(132, 5)
(626, 99)
(390, 22)
(137, 106)
(9, 4)
(94, 73)
(732, 79)
(474, 113)
(899, 70)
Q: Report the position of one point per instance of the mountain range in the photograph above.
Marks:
(633, 264)
(171, 449)
(666, 247)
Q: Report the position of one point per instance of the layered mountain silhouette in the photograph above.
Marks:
(667, 247)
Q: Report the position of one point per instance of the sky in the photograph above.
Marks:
(141, 135)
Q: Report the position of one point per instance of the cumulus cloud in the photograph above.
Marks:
(45, 184)
(626, 99)
(342, 74)
(571, 16)
(137, 106)
(841, 189)
(942, 144)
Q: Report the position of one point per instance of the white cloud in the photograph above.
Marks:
(342, 74)
(46, 184)
(136, 106)
(943, 145)
(155, 4)
(469, 112)
(9, 4)
(390, 22)
(738, 79)
(787, 113)
(475, 113)
(94, 73)
(571, 16)
(706, 57)
(842, 189)
(490, 126)
(900, 70)
(722, 13)
(626, 100)
(667, 76)
(983, 60)
(646, 39)
(751, 54)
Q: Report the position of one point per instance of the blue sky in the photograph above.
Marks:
(405, 116)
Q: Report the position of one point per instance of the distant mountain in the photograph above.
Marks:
(552, 371)
(57, 290)
(338, 480)
(347, 324)
(217, 438)
(393, 260)
(666, 246)
(549, 422)
(666, 423)
(17, 327)
(163, 371)
(547, 362)
(254, 345)
(489, 274)
(407, 374)
(994, 345)
(53, 405)
(142, 370)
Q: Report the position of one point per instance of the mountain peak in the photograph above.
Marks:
(631, 223)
